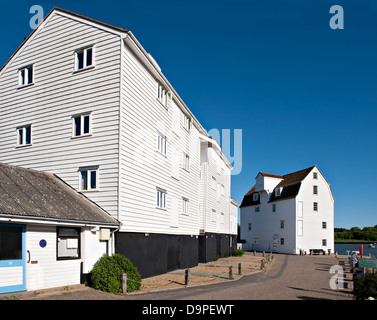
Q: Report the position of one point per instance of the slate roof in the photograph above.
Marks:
(291, 184)
(26, 193)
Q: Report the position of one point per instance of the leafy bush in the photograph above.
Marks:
(365, 287)
(106, 274)
(238, 253)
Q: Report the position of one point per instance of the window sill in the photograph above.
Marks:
(25, 86)
(91, 190)
(23, 146)
(82, 136)
(83, 69)
(164, 209)
(162, 154)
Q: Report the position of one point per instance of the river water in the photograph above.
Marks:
(342, 248)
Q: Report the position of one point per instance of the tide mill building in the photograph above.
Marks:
(83, 103)
(288, 213)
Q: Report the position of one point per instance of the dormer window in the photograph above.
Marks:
(278, 192)
(255, 197)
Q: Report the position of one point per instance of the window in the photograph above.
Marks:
(161, 198)
(81, 125)
(161, 143)
(213, 215)
(186, 122)
(257, 209)
(315, 189)
(256, 240)
(185, 205)
(88, 178)
(278, 192)
(84, 58)
(186, 161)
(281, 224)
(24, 135)
(282, 241)
(315, 175)
(274, 207)
(214, 183)
(68, 245)
(162, 95)
(25, 76)
(324, 242)
(11, 242)
(249, 227)
(222, 190)
(324, 225)
(255, 197)
(315, 206)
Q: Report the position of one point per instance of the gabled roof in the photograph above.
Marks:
(291, 184)
(56, 9)
(31, 194)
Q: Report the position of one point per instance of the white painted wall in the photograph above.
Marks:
(313, 233)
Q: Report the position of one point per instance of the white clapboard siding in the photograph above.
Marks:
(143, 168)
(46, 271)
(57, 94)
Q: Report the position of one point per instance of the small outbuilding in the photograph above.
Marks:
(50, 234)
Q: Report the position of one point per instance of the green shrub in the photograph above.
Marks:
(365, 287)
(106, 274)
(238, 253)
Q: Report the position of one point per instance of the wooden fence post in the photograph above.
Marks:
(262, 264)
(187, 277)
(124, 282)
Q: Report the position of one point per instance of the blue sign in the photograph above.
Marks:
(43, 243)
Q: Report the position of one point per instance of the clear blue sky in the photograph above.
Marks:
(302, 93)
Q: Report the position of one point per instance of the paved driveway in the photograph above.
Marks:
(288, 278)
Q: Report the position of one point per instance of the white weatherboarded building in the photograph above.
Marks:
(289, 213)
(82, 99)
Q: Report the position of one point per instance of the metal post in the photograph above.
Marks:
(230, 272)
(124, 282)
(239, 269)
(187, 277)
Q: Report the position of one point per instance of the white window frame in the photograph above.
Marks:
(24, 80)
(282, 224)
(187, 122)
(255, 197)
(89, 171)
(21, 136)
(161, 198)
(315, 190)
(85, 62)
(315, 175)
(315, 206)
(82, 117)
(278, 192)
(162, 94)
(324, 242)
(186, 161)
(185, 206)
(324, 225)
(161, 143)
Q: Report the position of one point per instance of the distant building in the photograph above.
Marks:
(288, 213)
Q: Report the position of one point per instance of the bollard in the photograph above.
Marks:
(239, 269)
(262, 264)
(255, 253)
(187, 277)
(263, 254)
(124, 282)
(230, 272)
